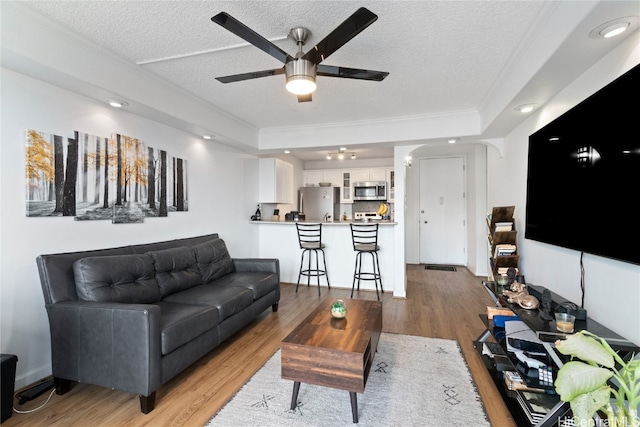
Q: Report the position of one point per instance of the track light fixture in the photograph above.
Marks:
(340, 155)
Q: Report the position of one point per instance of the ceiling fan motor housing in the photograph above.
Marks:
(301, 76)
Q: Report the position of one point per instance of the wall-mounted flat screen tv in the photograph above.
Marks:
(583, 177)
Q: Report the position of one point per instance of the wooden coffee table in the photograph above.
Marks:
(335, 353)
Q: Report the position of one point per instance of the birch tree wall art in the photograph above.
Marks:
(92, 177)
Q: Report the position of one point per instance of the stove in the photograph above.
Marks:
(360, 216)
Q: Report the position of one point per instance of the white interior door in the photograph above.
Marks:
(442, 211)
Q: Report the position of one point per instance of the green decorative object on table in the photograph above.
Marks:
(338, 309)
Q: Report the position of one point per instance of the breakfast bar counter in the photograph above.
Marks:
(279, 239)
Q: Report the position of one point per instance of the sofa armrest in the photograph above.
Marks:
(114, 345)
(267, 265)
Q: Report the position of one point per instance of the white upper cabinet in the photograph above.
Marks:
(346, 190)
(344, 178)
(313, 177)
(391, 184)
(333, 176)
(359, 175)
(276, 181)
(378, 175)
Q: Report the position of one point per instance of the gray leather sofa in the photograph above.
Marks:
(131, 318)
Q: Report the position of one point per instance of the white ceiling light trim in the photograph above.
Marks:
(526, 108)
(613, 28)
(117, 103)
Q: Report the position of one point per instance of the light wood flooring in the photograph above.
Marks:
(439, 304)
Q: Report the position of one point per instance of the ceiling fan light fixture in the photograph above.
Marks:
(301, 76)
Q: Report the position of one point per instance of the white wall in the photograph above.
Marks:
(222, 193)
(612, 287)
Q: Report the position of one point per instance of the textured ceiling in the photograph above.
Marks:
(442, 56)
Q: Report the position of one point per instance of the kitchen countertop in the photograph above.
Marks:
(381, 222)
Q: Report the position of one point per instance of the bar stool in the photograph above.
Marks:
(365, 241)
(310, 240)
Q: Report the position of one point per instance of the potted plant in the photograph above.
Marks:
(584, 382)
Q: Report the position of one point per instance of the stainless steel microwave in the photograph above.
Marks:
(370, 190)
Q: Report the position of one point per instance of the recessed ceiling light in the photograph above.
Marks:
(117, 103)
(206, 136)
(328, 156)
(342, 149)
(353, 156)
(613, 28)
(526, 108)
(452, 140)
(287, 151)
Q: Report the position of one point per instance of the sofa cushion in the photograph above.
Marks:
(260, 283)
(228, 300)
(181, 323)
(116, 278)
(213, 259)
(176, 269)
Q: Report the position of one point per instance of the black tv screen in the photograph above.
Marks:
(583, 177)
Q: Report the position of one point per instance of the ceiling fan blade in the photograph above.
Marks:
(304, 98)
(344, 32)
(239, 29)
(252, 75)
(350, 73)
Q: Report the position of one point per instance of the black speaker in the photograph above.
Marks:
(8, 365)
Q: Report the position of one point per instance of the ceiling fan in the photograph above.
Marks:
(301, 70)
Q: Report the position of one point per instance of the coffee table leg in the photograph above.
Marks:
(354, 406)
(294, 396)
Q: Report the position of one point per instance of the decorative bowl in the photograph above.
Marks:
(338, 309)
(324, 184)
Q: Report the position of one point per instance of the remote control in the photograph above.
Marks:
(529, 361)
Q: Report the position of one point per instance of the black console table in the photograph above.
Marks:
(546, 331)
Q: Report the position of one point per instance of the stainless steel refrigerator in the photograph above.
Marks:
(316, 202)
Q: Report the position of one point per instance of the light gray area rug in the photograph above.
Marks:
(414, 381)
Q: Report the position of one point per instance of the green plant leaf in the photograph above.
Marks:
(576, 378)
(586, 348)
(585, 405)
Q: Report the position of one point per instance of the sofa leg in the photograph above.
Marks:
(274, 307)
(62, 386)
(147, 403)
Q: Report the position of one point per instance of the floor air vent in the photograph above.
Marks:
(439, 267)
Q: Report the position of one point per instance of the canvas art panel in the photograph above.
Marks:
(93, 177)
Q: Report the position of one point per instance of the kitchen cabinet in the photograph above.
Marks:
(360, 175)
(332, 176)
(344, 178)
(378, 175)
(346, 190)
(276, 181)
(313, 177)
(391, 184)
